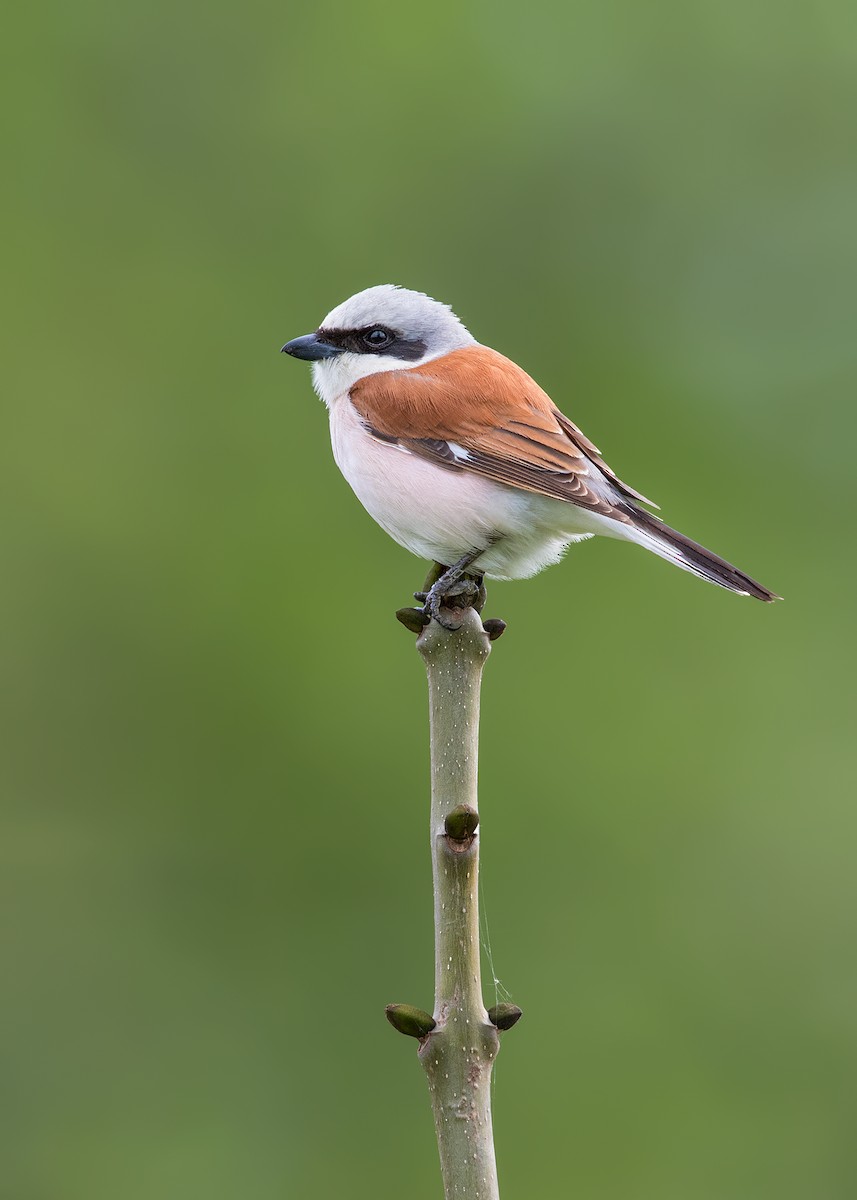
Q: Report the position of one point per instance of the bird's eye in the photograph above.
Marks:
(376, 338)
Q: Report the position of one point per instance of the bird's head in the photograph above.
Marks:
(384, 328)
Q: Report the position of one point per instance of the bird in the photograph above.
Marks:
(463, 459)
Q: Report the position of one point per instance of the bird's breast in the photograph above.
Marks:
(440, 513)
(432, 510)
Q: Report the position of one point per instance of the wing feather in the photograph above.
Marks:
(475, 410)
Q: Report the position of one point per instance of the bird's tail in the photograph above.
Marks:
(652, 533)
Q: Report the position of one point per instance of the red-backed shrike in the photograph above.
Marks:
(462, 458)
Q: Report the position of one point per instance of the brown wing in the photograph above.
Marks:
(476, 410)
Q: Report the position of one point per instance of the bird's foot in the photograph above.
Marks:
(448, 604)
(450, 594)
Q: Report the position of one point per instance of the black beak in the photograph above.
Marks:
(310, 347)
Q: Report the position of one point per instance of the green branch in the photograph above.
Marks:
(458, 1045)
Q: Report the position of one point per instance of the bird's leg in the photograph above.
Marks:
(445, 584)
(437, 569)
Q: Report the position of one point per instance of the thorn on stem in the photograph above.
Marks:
(494, 627)
(411, 1021)
(414, 619)
(504, 1016)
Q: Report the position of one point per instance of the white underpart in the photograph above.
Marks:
(441, 514)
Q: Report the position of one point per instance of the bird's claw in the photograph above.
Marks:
(446, 604)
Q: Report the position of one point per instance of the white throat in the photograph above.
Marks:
(334, 378)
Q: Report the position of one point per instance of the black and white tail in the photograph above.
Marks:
(652, 533)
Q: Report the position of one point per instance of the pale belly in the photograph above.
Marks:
(441, 514)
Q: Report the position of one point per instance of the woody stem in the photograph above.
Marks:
(458, 1054)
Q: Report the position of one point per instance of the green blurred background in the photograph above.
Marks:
(214, 837)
